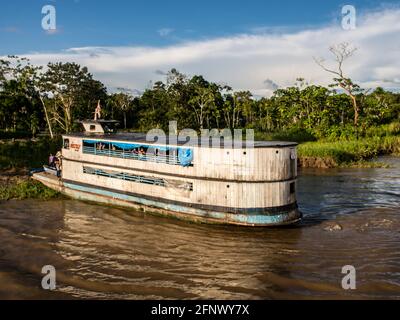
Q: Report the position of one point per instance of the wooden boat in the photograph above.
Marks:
(50, 170)
(198, 181)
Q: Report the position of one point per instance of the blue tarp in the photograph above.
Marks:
(161, 148)
(92, 141)
(185, 156)
(126, 146)
(129, 146)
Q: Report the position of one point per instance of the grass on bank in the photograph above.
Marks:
(352, 153)
(16, 158)
(338, 146)
(26, 189)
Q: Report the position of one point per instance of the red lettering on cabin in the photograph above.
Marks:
(75, 146)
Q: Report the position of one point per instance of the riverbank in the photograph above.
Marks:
(347, 153)
(18, 185)
(341, 149)
(16, 159)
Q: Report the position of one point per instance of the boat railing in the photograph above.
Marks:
(157, 181)
(125, 176)
(170, 159)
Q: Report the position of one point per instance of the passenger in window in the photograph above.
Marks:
(142, 153)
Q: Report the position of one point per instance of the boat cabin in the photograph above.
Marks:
(198, 180)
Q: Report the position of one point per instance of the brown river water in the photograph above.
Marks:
(102, 252)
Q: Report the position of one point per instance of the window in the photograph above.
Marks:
(139, 178)
(292, 187)
(92, 127)
(293, 165)
(293, 162)
(66, 143)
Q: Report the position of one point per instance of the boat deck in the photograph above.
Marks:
(49, 180)
(200, 141)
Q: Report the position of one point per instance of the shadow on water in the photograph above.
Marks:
(106, 252)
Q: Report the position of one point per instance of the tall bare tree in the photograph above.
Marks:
(202, 103)
(342, 52)
(67, 87)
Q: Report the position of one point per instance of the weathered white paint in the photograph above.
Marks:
(244, 166)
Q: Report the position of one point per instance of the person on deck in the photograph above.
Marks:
(57, 162)
(51, 160)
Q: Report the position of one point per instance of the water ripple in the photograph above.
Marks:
(103, 252)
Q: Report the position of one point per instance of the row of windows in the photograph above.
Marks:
(139, 178)
(149, 180)
(169, 155)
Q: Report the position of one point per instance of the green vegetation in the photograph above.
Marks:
(292, 134)
(342, 122)
(27, 153)
(32, 100)
(15, 134)
(348, 153)
(26, 189)
(16, 158)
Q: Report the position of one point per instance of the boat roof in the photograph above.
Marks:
(133, 137)
(98, 121)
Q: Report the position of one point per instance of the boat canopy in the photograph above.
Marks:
(184, 155)
(130, 146)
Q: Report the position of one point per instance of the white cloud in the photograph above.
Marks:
(165, 31)
(244, 61)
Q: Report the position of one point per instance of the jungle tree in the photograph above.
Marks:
(341, 53)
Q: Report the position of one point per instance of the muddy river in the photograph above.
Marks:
(351, 217)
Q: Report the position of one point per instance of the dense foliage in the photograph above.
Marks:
(26, 189)
(26, 153)
(33, 99)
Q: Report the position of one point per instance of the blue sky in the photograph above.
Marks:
(247, 44)
(84, 23)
